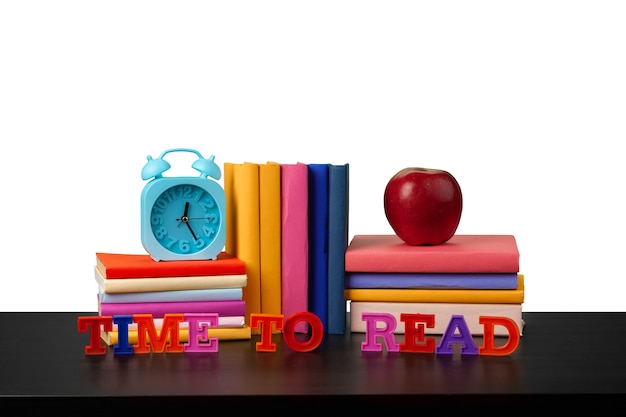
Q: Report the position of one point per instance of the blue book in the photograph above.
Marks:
(318, 241)
(338, 196)
(476, 281)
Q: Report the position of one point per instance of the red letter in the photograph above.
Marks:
(317, 331)
(414, 334)
(488, 348)
(93, 323)
(371, 331)
(266, 344)
(198, 324)
(145, 326)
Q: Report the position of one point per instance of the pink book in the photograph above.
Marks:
(295, 240)
(462, 254)
(222, 308)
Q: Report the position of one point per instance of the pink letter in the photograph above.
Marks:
(371, 332)
(198, 327)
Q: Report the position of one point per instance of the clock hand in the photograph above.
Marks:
(191, 230)
(185, 220)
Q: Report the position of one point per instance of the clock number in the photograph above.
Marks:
(207, 204)
(160, 232)
(187, 192)
(199, 243)
(211, 218)
(183, 245)
(156, 219)
(208, 231)
(160, 204)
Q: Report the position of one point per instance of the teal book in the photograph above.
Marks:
(318, 241)
(338, 206)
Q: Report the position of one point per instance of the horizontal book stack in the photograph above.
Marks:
(469, 275)
(136, 284)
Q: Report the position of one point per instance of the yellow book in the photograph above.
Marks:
(229, 193)
(270, 237)
(243, 229)
(222, 333)
(418, 295)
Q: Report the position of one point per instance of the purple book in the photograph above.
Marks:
(427, 280)
(158, 310)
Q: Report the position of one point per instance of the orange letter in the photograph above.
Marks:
(488, 348)
(266, 344)
(145, 326)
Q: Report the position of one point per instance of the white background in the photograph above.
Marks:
(523, 102)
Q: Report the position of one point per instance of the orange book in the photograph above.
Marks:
(243, 227)
(270, 237)
(120, 266)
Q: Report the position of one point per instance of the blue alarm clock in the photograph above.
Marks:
(182, 218)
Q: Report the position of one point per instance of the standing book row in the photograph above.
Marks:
(289, 224)
(136, 284)
(470, 275)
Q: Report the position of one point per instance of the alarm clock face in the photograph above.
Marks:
(185, 221)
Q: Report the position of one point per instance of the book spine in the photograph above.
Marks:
(168, 284)
(294, 244)
(318, 241)
(158, 310)
(215, 294)
(245, 201)
(432, 281)
(469, 296)
(270, 237)
(338, 192)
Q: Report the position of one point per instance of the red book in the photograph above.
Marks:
(116, 265)
(460, 254)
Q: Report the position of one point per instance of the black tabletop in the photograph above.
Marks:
(564, 356)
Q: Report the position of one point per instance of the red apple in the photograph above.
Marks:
(423, 205)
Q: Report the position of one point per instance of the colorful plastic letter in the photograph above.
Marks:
(158, 340)
(265, 321)
(488, 348)
(414, 339)
(386, 332)
(464, 337)
(317, 331)
(199, 324)
(123, 347)
(92, 324)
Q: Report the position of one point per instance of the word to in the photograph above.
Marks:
(167, 339)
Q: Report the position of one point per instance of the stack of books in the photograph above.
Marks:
(289, 224)
(469, 275)
(136, 284)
